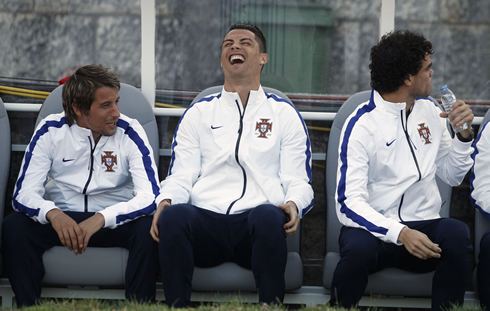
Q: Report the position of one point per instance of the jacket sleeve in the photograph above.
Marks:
(352, 197)
(480, 175)
(453, 158)
(144, 176)
(295, 163)
(29, 188)
(185, 164)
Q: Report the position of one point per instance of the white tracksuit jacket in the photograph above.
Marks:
(118, 179)
(388, 163)
(480, 174)
(228, 159)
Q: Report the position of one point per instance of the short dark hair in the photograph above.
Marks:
(259, 36)
(398, 54)
(80, 88)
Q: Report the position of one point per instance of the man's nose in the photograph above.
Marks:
(115, 111)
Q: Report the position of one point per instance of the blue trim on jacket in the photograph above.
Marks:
(370, 106)
(472, 175)
(174, 144)
(308, 145)
(150, 173)
(43, 130)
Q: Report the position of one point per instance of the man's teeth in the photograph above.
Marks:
(233, 58)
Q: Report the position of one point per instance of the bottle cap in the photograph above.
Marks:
(444, 87)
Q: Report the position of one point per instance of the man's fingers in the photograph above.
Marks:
(61, 237)
(461, 113)
(292, 219)
(80, 240)
(291, 231)
(434, 248)
(67, 239)
(426, 250)
(462, 117)
(84, 245)
(293, 228)
(73, 240)
(154, 233)
(290, 223)
(154, 224)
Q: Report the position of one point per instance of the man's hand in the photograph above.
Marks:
(154, 224)
(460, 113)
(291, 211)
(68, 230)
(418, 244)
(90, 226)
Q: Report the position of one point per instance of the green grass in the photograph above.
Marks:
(98, 305)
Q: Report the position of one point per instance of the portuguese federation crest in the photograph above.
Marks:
(263, 128)
(424, 133)
(109, 161)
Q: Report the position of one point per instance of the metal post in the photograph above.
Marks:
(387, 17)
(148, 22)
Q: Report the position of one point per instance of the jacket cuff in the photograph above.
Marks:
(109, 218)
(466, 140)
(394, 232)
(160, 198)
(461, 146)
(44, 210)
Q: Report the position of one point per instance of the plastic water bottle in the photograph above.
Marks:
(448, 99)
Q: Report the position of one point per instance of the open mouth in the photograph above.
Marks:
(237, 59)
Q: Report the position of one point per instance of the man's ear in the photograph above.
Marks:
(408, 80)
(76, 110)
(264, 58)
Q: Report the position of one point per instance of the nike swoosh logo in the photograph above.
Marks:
(67, 160)
(389, 144)
(216, 127)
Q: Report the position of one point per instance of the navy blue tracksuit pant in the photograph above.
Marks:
(24, 242)
(363, 254)
(191, 236)
(483, 272)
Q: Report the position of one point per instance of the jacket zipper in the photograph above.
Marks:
(237, 147)
(91, 168)
(409, 142)
(400, 208)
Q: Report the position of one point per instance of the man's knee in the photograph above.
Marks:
(175, 212)
(485, 246)
(358, 246)
(16, 226)
(455, 236)
(267, 216)
(141, 228)
(176, 219)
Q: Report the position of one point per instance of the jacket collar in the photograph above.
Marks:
(79, 131)
(389, 107)
(254, 98)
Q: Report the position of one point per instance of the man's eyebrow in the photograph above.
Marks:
(242, 39)
(109, 101)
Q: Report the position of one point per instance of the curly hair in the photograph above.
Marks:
(80, 89)
(397, 55)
